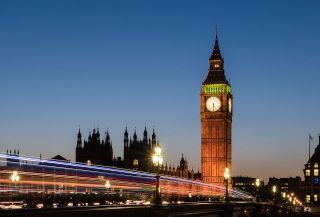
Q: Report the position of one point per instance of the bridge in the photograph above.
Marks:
(69, 189)
(237, 209)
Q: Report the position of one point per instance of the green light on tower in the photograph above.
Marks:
(216, 88)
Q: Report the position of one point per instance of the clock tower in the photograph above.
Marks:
(216, 120)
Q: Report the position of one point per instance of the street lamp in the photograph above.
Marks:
(15, 179)
(226, 180)
(284, 196)
(157, 160)
(257, 189)
(274, 190)
(107, 185)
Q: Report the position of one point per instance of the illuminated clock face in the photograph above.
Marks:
(230, 105)
(213, 104)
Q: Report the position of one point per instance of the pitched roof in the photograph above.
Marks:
(59, 157)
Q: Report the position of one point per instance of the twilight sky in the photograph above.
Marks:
(107, 63)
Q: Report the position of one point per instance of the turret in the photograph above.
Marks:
(135, 137)
(107, 141)
(79, 140)
(89, 137)
(98, 135)
(153, 139)
(126, 138)
(145, 135)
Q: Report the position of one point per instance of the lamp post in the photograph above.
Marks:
(284, 196)
(157, 160)
(257, 189)
(107, 184)
(226, 180)
(290, 201)
(15, 179)
(274, 190)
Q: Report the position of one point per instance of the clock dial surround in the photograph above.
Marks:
(213, 104)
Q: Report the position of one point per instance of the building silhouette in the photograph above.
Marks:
(311, 176)
(94, 149)
(216, 120)
(137, 153)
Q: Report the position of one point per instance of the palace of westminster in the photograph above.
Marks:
(216, 123)
(136, 154)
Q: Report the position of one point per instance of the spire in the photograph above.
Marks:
(79, 140)
(126, 132)
(98, 134)
(107, 137)
(154, 139)
(216, 69)
(145, 134)
(182, 161)
(79, 133)
(135, 138)
(89, 137)
(126, 137)
(153, 134)
(145, 128)
(216, 54)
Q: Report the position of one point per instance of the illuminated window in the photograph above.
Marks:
(135, 162)
(316, 172)
(307, 198)
(316, 180)
(316, 165)
(307, 172)
(216, 65)
(315, 197)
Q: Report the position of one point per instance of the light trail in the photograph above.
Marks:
(59, 176)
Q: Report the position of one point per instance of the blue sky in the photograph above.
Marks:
(107, 63)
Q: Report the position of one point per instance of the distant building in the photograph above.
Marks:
(311, 175)
(246, 184)
(182, 170)
(288, 185)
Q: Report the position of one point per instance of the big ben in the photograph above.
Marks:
(216, 104)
